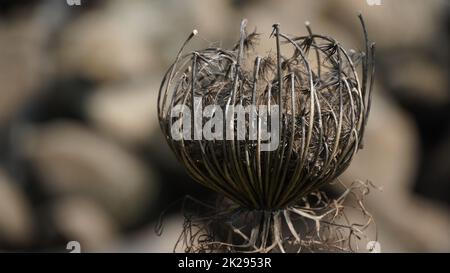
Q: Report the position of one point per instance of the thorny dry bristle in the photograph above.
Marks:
(324, 108)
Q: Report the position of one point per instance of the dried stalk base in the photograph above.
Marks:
(316, 224)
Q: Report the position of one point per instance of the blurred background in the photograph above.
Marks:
(81, 154)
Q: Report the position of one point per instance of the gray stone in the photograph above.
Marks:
(16, 216)
(71, 159)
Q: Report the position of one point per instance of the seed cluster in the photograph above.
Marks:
(323, 110)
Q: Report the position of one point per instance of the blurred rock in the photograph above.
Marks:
(418, 79)
(129, 39)
(71, 159)
(434, 177)
(79, 219)
(24, 63)
(147, 241)
(126, 112)
(391, 24)
(212, 18)
(16, 216)
(389, 159)
(107, 44)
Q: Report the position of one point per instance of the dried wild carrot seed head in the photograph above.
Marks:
(323, 107)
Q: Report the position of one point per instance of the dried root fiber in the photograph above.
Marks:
(316, 224)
